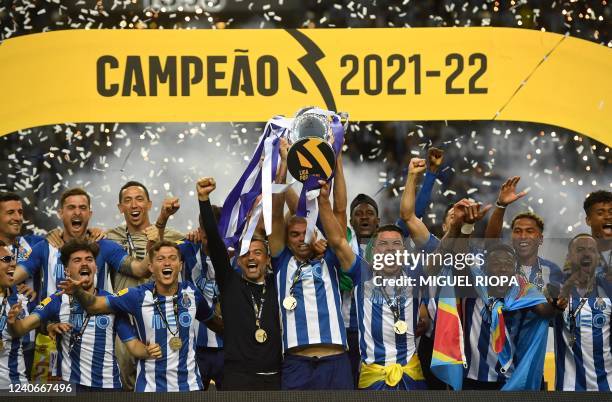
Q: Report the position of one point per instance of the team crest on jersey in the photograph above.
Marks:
(600, 320)
(185, 319)
(102, 321)
(185, 300)
(312, 271)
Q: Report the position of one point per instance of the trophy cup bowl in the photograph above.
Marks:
(311, 153)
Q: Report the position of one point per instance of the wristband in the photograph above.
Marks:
(500, 206)
(467, 228)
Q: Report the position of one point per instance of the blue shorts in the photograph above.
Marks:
(210, 363)
(316, 373)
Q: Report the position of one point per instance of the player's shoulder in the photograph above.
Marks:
(33, 239)
(106, 244)
(116, 234)
(548, 264)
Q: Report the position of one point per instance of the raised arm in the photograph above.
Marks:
(336, 238)
(464, 215)
(435, 157)
(507, 195)
(340, 197)
(169, 207)
(418, 231)
(277, 237)
(216, 246)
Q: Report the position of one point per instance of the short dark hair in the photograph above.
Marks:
(164, 243)
(258, 237)
(75, 245)
(389, 227)
(529, 215)
(596, 197)
(133, 183)
(500, 246)
(363, 199)
(72, 192)
(9, 196)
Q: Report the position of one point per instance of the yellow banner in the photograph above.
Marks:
(251, 75)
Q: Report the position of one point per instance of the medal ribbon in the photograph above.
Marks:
(77, 335)
(174, 308)
(258, 309)
(392, 306)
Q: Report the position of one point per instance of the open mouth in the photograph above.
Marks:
(607, 229)
(85, 272)
(10, 273)
(252, 266)
(303, 246)
(586, 261)
(135, 214)
(76, 223)
(167, 273)
(16, 225)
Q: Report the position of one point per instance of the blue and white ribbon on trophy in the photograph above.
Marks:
(242, 210)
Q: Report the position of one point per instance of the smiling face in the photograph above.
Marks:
(583, 255)
(296, 236)
(166, 266)
(11, 219)
(82, 265)
(364, 220)
(599, 219)
(135, 207)
(526, 237)
(7, 269)
(253, 264)
(75, 215)
(389, 242)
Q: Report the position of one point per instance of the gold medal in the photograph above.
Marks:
(261, 335)
(176, 343)
(289, 303)
(400, 327)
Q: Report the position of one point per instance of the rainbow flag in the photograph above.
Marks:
(448, 357)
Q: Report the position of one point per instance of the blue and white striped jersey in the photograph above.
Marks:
(91, 361)
(203, 276)
(12, 365)
(587, 364)
(349, 308)
(45, 259)
(22, 250)
(480, 356)
(156, 323)
(378, 342)
(317, 318)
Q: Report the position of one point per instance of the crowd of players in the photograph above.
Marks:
(289, 313)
